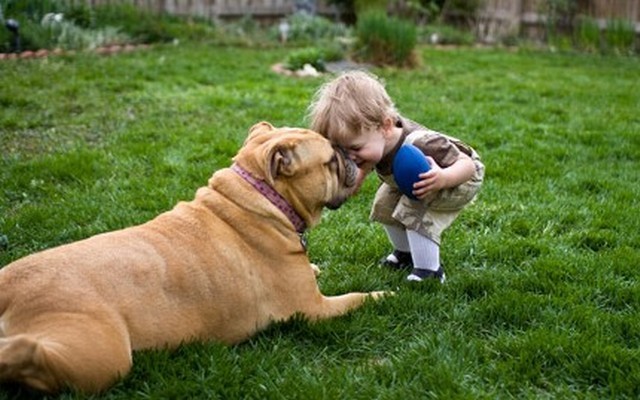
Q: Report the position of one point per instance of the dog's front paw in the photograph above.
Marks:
(381, 293)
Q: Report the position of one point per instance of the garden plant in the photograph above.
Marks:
(542, 298)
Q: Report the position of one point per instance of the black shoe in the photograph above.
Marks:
(398, 260)
(418, 275)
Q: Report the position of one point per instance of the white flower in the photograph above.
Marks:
(51, 18)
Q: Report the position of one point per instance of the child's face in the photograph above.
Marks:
(367, 149)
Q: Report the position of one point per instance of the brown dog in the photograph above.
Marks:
(220, 267)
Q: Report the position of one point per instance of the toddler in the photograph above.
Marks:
(355, 111)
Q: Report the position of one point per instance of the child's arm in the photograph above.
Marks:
(438, 178)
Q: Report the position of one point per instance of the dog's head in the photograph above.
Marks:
(301, 165)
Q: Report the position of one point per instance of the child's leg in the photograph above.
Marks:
(426, 257)
(425, 252)
(401, 256)
(398, 237)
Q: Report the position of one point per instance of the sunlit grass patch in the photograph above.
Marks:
(541, 298)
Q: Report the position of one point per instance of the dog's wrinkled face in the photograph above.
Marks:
(301, 165)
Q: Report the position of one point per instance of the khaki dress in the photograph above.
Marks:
(435, 213)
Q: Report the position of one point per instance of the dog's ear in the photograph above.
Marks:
(280, 162)
(258, 129)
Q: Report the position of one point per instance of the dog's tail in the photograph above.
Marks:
(21, 356)
(23, 360)
(68, 351)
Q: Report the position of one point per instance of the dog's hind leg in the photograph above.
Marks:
(76, 352)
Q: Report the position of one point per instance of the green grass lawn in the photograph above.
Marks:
(542, 298)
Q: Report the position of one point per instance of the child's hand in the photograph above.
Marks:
(439, 178)
(430, 181)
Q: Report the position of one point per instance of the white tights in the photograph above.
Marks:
(425, 253)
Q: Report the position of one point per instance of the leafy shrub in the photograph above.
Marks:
(333, 51)
(82, 15)
(5, 38)
(143, 25)
(28, 14)
(587, 35)
(33, 10)
(54, 31)
(66, 34)
(81, 26)
(620, 36)
(313, 56)
(384, 40)
(32, 37)
(297, 59)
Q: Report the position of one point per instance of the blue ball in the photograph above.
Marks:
(408, 163)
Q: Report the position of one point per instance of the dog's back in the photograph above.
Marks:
(73, 314)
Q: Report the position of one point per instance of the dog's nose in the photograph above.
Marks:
(352, 173)
(350, 167)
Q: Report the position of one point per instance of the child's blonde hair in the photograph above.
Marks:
(352, 103)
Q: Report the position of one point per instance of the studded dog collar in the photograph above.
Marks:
(274, 197)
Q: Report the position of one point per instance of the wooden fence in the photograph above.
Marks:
(495, 19)
(500, 18)
(222, 9)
